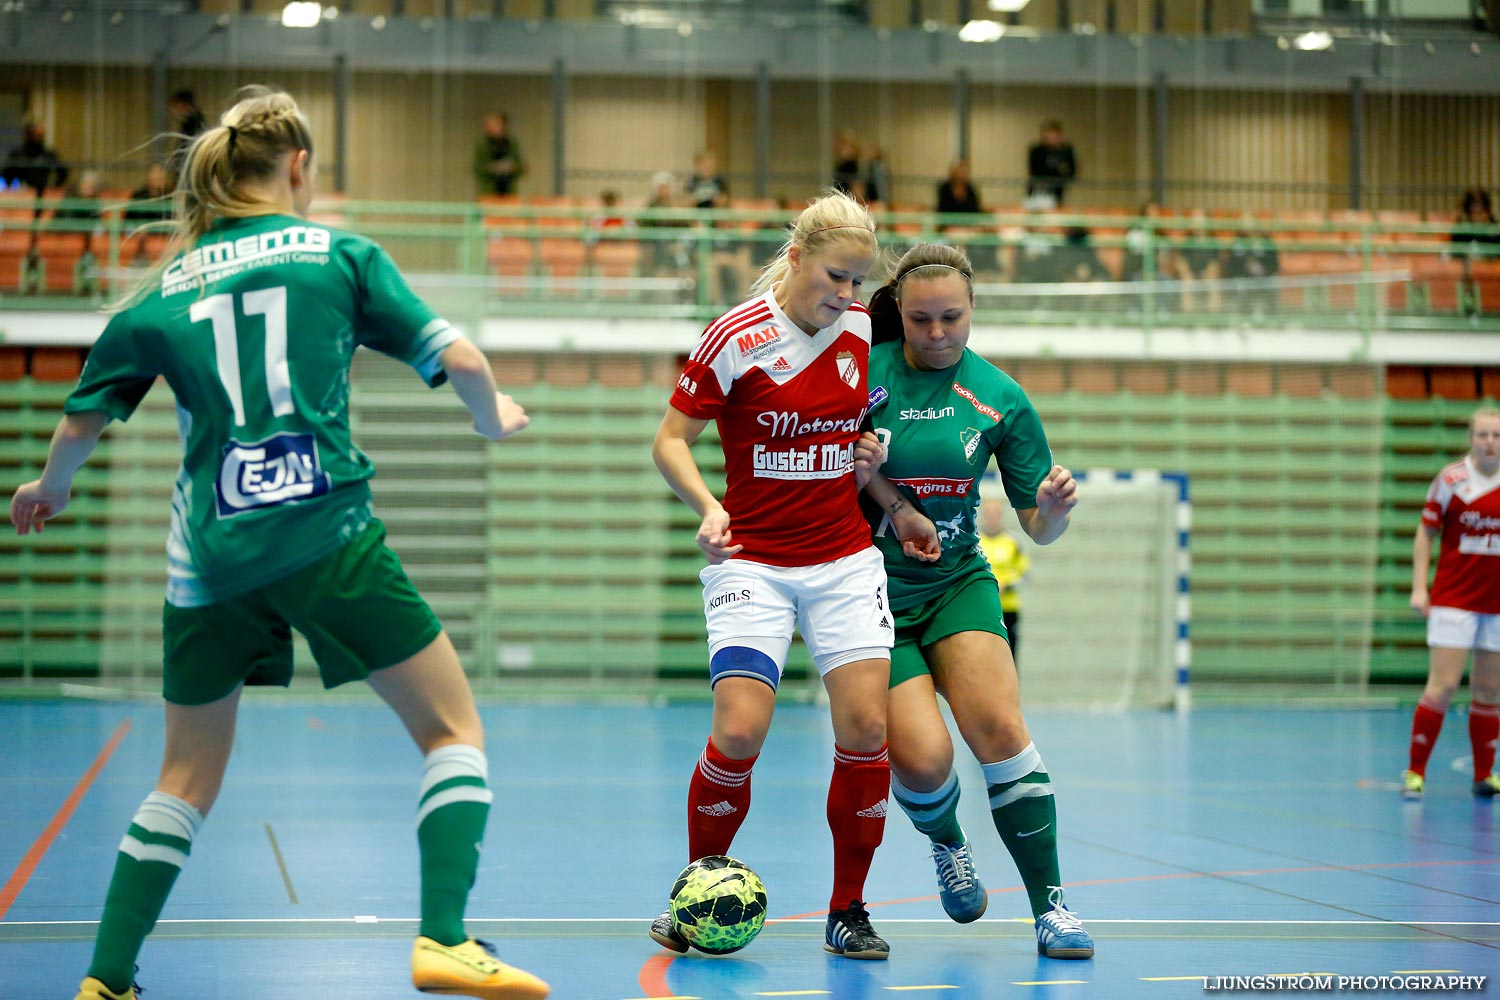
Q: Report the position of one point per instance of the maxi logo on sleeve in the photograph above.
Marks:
(281, 469)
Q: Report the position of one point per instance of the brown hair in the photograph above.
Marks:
(885, 304)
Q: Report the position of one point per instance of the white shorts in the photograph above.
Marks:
(839, 607)
(1455, 628)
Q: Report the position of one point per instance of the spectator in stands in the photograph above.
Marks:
(706, 186)
(1475, 209)
(1079, 259)
(1198, 263)
(1253, 256)
(82, 212)
(498, 163)
(1051, 167)
(188, 121)
(663, 256)
(877, 176)
(846, 173)
(608, 216)
(152, 201)
(950, 632)
(957, 194)
(33, 165)
(1143, 238)
(1463, 605)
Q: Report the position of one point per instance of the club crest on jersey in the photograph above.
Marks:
(970, 439)
(848, 368)
(281, 469)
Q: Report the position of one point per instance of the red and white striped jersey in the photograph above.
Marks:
(788, 407)
(1465, 507)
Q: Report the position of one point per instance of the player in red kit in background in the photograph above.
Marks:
(1463, 606)
(784, 375)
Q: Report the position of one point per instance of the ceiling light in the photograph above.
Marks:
(1313, 41)
(981, 31)
(301, 14)
(1007, 6)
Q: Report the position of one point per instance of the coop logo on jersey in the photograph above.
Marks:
(934, 486)
(758, 343)
(988, 411)
(280, 469)
(848, 368)
(970, 439)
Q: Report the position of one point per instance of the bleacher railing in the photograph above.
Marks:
(563, 257)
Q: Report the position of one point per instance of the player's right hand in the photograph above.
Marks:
(1421, 602)
(512, 417)
(32, 507)
(714, 537)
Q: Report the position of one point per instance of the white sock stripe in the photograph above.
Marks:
(448, 796)
(1475, 708)
(908, 797)
(152, 852)
(719, 776)
(1015, 793)
(454, 761)
(1015, 768)
(163, 813)
(849, 757)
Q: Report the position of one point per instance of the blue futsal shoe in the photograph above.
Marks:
(963, 895)
(1059, 932)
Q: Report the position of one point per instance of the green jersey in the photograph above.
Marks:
(940, 429)
(254, 329)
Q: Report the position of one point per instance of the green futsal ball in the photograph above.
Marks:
(718, 904)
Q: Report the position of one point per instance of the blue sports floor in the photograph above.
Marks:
(1229, 843)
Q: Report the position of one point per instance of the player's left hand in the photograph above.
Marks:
(1058, 494)
(869, 453)
(32, 507)
(918, 535)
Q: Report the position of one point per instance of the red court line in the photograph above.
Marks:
(24, 870)
(654, 976)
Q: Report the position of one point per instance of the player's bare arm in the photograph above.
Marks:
(673, 454)
(1055, 500)
(42, 499)
(496, 415)
(918, 535)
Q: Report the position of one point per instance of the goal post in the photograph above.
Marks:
(1105, 610)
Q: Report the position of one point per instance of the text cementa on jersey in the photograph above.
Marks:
(205, 259)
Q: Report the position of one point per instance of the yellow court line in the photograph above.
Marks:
(795, 993)
(934, 987)
(1171, 979)
(1057, 982)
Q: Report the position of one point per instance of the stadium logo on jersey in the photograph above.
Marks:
(731, 600)
(848, 368)
(280, 469)
(816, 461)
(782, 365)
(986, 410)
(791, 424)
(930, 413)
(936, 487)
(759, 343)
(970, 439)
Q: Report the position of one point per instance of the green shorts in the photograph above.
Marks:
(356, 607)
(972, 604)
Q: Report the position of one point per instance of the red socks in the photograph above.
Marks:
(1426, 723)
(718, 799)
(856, 815)
(1484, 729)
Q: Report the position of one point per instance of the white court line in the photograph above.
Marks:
(808, 920)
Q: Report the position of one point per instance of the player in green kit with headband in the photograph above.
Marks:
(253, 320)
(942, 413)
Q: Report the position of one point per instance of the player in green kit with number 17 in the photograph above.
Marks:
(942, 413)
(253, 321)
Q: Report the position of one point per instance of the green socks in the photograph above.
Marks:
(1026, 817)
(934, 813)
(153, 852)
(452, 810)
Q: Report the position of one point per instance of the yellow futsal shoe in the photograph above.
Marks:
(1489, 788)
(93, 989)
(1412, 785)
(471, 970)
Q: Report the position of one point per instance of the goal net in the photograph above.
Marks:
(1104, 609)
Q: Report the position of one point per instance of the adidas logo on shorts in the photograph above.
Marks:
(877, 811)
(885, 622)
(721, 809)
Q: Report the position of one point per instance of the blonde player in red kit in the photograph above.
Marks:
(784, 375)
(1463, 606)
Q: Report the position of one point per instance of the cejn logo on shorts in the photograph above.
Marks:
(281, 469)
